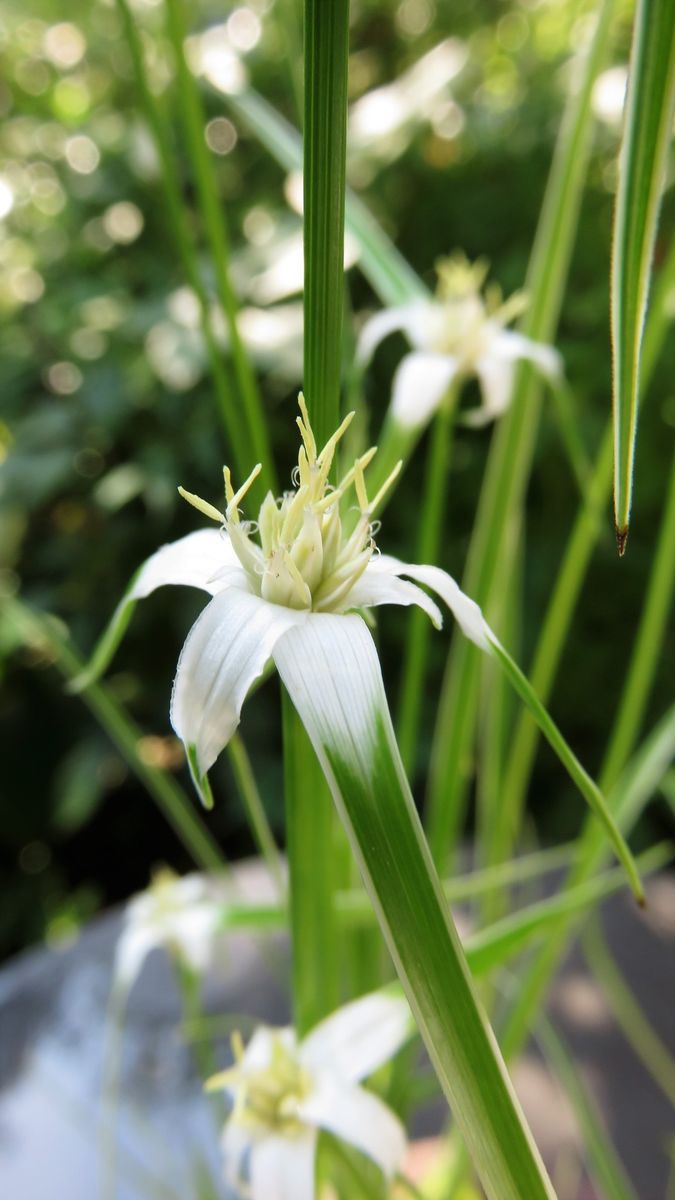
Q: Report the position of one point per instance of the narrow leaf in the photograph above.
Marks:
(628, 798)
(649, 113)
(512, 450)
(171, 800)
(603, 1160)
(332, 672)
(589, 790)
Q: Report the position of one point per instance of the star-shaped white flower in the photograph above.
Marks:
(181, 915)
(285, 1091)
(459, 334)
(293, 597)
(278, 598)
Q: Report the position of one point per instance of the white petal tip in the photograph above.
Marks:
(199, 777)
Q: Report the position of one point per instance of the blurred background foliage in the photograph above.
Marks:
(106, 401)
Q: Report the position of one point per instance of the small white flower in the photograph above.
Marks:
(285, 1091)
(460, 334)
(278, 598)
(182, 915)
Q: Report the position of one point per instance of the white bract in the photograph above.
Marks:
(459, 334)
(285, 1090)
(181, 915)
(278, 597)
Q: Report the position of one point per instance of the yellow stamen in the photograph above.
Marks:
(229, 490)
(305, 428)
(360, 487)
(337, 493)
(237, 1044)
(239, 496)
(385, 486)
(209, 510)
(234, 498)
(335, 438)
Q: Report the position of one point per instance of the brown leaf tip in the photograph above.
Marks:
(621, 539)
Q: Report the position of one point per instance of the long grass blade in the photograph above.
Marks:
(588, 788)
(637, 1029)
(178, 810)
(234, 430)
(650, 103)
(574, 564)
(347, 718)
(215, 226)
(512, 450)
(504, 938)
(628, 799)
(604, 1164)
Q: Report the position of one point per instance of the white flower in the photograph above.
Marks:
(278, 598)
(285, 1091)
(460, 334)
(182, 915)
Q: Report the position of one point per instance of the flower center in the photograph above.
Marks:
(267, 1098)
(470, 314)
(305, 558)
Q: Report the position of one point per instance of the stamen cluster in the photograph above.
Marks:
(466, 315)
(267, 1096)
(306, 558)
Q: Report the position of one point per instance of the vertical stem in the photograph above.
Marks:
(255, 812)
(309, 815)
(309, 812)
(325, 146)
(428, 544)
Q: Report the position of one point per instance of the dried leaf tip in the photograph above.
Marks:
(621, 539)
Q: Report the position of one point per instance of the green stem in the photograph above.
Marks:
(183, 244)
(512, 449)
(308, 808)
(427, 551)
(255, 812)
(325, 146)
(36, 628)
(194, 121)
(310, 868)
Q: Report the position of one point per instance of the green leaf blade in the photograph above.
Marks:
(649, 111)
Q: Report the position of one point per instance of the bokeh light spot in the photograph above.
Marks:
(64, 45)
(221, 135)
(123, 222)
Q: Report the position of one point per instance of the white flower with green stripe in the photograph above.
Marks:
(290, 588)
(281, 588)
(460, 334)
(285, 1090)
